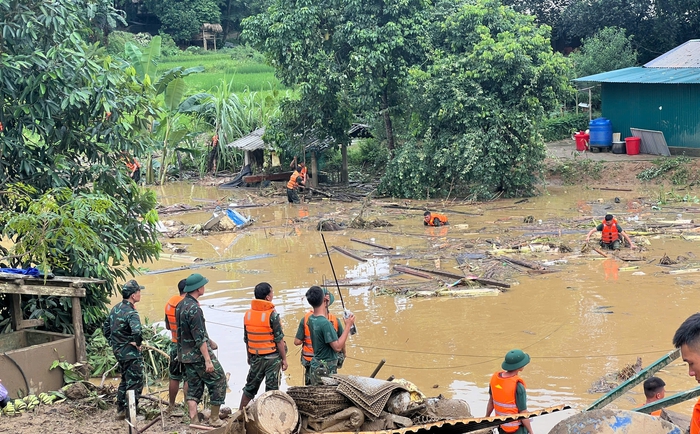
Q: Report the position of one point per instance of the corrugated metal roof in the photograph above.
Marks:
(251, 142)
(639, 74)
(686, 55)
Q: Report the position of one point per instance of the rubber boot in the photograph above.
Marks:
(214, 419)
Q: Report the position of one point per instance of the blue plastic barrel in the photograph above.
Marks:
(601, 132)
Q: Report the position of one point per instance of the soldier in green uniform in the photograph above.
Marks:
(324, 339)
(267, 352)
(195, 352)
(122, 328)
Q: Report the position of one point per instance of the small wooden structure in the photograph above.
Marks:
(33, 359)
(209, 31)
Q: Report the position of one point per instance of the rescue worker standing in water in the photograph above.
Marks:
(293, 185)
(610, 234)
(507, 395)
(267, 352)
(434, 219)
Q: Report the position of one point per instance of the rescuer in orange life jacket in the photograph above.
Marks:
(507, 393)
(654, 389)
(303, 336)
(433, 219)
(611, 233)
(175, 369)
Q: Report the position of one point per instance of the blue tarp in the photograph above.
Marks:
(31, 271)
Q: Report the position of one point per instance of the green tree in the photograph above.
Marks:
(183, 19)
(478, 105)
(607, 50)
(68, 112)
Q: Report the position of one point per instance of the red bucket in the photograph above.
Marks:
(582, 141)
(633, 144)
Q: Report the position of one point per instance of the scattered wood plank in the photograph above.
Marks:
(684, 271)
(201, 427)
(485, 281)
(153, 422)
(600, 252)
(371, 244)
(403, 269)
(522, 263)
(321, 192)
(438, 272)
(474, 292)
(348, 254)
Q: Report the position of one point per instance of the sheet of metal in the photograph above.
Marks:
(456, 426)
(639, 74)
(653, 142)
(251, 142)
(686, 55)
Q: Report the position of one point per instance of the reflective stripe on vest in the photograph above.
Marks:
(307, 350)
(293, 180)
(170, 315)
(503, 395)
(256, 322)
(610, 234)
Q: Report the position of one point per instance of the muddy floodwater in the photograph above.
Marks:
(585, 320)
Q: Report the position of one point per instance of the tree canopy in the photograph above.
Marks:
(69, 114)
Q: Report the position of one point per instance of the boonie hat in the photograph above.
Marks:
(330, 296)
(515, 359)
(194, 282)
(130, 288)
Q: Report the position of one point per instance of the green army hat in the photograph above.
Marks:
(194, 282)
(130, 288)
(515, 359)
(330, 296)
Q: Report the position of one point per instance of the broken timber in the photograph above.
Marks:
(525, 264)
(459, 277)
(371, 244)
(351, 255)
(638, 378)
(407, 270)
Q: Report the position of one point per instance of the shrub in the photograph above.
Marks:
(561, 127)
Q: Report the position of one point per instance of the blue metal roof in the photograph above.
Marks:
(640, 74)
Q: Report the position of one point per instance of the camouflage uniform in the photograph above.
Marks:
(267, 367)
(192, 333)
(121, 327)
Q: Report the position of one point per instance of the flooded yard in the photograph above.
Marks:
(591, 317)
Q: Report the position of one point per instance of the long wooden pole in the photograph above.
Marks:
(630, 383)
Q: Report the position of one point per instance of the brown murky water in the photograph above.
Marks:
(577, 324)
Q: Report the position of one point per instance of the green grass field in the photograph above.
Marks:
(246, 74)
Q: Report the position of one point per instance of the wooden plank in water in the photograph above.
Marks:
(438, 272)
(348, 254)
(631, 382)
(404, 269)
(371, 244)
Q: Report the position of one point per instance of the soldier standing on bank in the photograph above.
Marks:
(122, 328)
(196, 352)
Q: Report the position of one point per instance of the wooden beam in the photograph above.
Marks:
(438, 272)
(16, 312)
(631, 382)
(62, 291)
(351, 255)
(669, 401)
(27, 323)
(80, 352)
(403, 269)
(131, 411)
(371, 244)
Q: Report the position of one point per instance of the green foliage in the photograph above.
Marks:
(562, 127)
(607, 50)
(70, 371)
(68, 112)
(368, 156)
(477, 107)
(100, 355)
(663, 167)
(183, 19)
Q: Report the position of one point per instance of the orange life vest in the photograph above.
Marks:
(503, 395)
(440, 217)
(695, 419)
(170, 321)
(610, 233)
(293, 180)
(257, 327)
(656, 413)
(303, 173)
(307, 351)
(132, 164)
